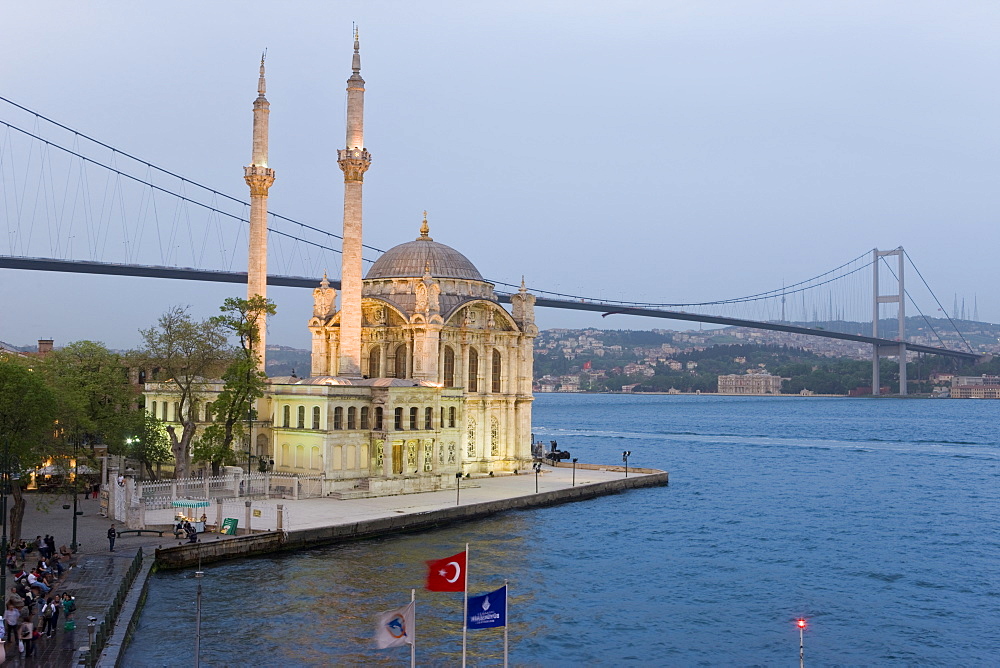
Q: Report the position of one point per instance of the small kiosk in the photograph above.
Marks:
(191, 510)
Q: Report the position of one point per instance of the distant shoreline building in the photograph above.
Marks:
(750, 383)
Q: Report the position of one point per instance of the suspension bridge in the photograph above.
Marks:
(72, 203)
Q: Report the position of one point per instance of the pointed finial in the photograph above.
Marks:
(324, 283)
(425, 230)
(524, 288)
(261, 88)
(356, 61)
(427, 269)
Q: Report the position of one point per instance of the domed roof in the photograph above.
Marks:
(424, 254)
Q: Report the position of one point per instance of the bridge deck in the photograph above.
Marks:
(152, 271)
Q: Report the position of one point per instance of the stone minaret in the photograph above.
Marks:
(259, 177)
(354, 160)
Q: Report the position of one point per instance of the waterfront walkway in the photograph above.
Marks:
(99, 572)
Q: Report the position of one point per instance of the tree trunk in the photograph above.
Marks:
(16, 513)
(180, 447)
(216, 467)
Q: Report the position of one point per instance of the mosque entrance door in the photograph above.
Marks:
(397, 457)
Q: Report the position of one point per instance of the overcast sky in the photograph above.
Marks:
(648, 150)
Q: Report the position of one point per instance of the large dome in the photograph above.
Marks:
(411, 259)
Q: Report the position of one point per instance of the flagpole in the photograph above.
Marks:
(465, 605)
(506, 621)
(413, 645)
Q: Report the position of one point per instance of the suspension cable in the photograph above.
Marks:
(169, 173)
(937, 301)
(166, 191)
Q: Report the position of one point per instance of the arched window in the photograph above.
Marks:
(400, 361)
(398, 421)
(284, 456)
(451, 417)
(449, 367)
(315, 462)
(300, 457)
(378, 418)
(473, 370)
(352, 418)
(177, 411)
(428, 418)
(286, 416)
(338, 417)
(208, 411)
(302, 417)
(443, 421)
(413, 418)
(154, 409)
(364, 417)
(496, 372)
(315, 417)
(375, 362)
(163, 411)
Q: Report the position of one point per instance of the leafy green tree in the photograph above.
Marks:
(96, 402)
(149, 444)
(187, 353)
(28, 410)
(243, 380)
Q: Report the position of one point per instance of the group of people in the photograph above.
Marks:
(184, 529)
(32, 610)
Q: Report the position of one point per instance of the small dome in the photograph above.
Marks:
(411, 259)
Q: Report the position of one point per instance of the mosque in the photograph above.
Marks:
(419, 375)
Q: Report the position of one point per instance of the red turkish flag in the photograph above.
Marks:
(447, 574)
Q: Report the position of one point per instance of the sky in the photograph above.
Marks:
(660, 151)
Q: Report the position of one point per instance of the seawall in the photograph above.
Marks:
(183, 556)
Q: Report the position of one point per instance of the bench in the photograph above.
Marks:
(139, 532)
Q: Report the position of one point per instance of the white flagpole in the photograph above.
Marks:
(465, 605)
(413, 644)
(506, 621)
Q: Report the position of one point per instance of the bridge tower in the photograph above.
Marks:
(259, 177)
(354, 161)
(898, 298)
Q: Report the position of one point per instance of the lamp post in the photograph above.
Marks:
(197, 621)
(802, 653)
(4, 474)
(458, 487)
(625, 454)
(76, 481)
(574, 472)
(537, 467)
(250, 418)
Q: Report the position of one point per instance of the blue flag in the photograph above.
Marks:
(488, 610)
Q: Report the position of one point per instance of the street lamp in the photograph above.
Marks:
(4, 475)
(537, 467)
(197, 620)
(76, 482)
(574, 472)
(458, 487)
(251, 414)
(625, 454)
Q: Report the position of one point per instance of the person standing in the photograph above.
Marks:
(53, 623)
(112, 534)
(24, 635)
(69, 629)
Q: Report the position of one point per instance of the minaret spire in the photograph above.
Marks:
(259, 177)
(354, 160)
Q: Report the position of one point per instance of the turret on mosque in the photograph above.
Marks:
(259, 177)
(354, 161)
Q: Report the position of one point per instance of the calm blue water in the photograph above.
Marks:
(876, 520)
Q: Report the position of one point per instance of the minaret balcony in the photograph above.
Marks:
(354, 154)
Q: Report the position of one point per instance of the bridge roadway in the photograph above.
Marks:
(153, 271)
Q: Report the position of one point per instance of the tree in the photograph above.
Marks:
(187, 353)
(27, 415)
(96, 402)
(149, 444)
(244, 382)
